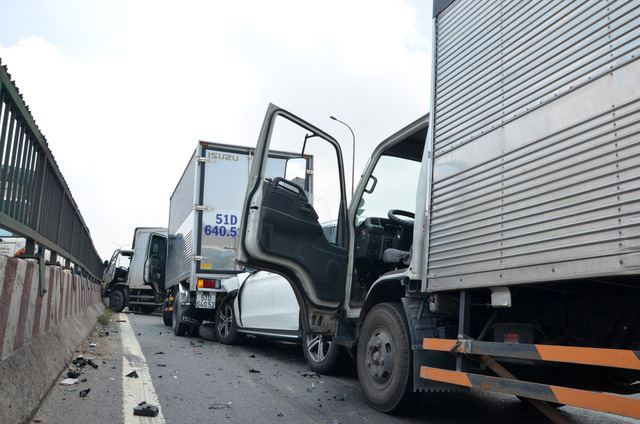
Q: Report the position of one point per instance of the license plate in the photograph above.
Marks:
(205, 300)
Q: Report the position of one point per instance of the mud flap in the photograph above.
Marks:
(423, 323)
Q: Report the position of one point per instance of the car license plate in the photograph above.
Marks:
(205, 300)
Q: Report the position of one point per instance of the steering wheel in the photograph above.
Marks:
(394, 215)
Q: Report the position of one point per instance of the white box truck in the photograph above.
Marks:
(498, 243)
(204, 222)
(134, 277)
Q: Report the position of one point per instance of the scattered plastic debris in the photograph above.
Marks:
(310, 374)
(338, 398)
(79, 362)
(253, 371)
(83, 380)
(69, 381)
(70, 390)
(132, 374)
(220, 406)
(85, 392)
(145, 409)
(161, 365)
(92, 344)
(252, 356)
(73, 374)
(280, 414)
(121, 320)
(93, 364)
(160, 353)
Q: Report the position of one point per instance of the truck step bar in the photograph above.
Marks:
(596, 401)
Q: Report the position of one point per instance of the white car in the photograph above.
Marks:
(263, 304)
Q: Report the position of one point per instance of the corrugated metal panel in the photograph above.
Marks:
(180, 250)
(537, 143)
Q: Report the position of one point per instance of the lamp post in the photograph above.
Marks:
(353, 162)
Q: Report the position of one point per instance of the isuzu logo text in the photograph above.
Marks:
(222, 156)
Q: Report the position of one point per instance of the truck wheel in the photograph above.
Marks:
(384, 361)
(167, 314)
(226, 327)
(117, 300)
(207, 331)
(322, 355)
(179, 328)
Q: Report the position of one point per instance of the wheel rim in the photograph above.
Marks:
(379, 358)
(226, 320)
(318, 347)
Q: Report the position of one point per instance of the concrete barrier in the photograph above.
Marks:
(39, 332)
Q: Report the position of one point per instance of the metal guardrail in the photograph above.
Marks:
(35, 201)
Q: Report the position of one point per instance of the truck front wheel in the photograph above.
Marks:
(384, 359)
(117, 300)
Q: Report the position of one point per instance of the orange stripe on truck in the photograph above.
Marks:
(445, 376)
(444, 345)
(598, 401)
(590, 356)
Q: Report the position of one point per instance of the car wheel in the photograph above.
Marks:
(117, 300)
(167, 314)
(322, 355)
(226, 327)
(179, 328)
(384, 359)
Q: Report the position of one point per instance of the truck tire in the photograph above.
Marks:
(208, 331)
(384, 360)
(226, 326)
(117, 300)
(322, 355)
(179, 328)
(167, 314)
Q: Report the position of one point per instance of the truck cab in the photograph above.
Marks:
(135, 277)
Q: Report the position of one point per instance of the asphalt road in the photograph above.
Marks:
(261, 381)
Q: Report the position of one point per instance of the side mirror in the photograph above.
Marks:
(105, 264)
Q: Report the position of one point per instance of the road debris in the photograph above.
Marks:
(145, 409)
(93, 364)
(132, 374)
(73, 374)
(310, 374)
(254, 371)
(220, 406)
(160, 353)
(92, 344)
(338, 398)
(85, 392)
(79, 362)
(69, 381)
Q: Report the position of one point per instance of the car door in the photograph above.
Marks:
(284, 226)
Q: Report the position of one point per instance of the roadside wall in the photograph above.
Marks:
(38, 333)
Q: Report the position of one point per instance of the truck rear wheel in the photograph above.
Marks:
(117, 300)
(226, 327)
(179, 328)
(384, 361)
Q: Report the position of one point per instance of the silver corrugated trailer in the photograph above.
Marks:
(535, 161)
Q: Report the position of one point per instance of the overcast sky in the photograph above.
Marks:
(123, 89)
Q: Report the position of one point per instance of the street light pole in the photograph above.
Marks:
(353, 162)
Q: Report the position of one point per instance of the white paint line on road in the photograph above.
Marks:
(135, 390)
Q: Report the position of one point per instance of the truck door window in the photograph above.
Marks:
(322, 185)
(397, 179)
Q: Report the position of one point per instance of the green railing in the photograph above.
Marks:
(35, 200)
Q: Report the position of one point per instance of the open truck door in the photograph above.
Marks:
(155, 262)
(295, 233)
